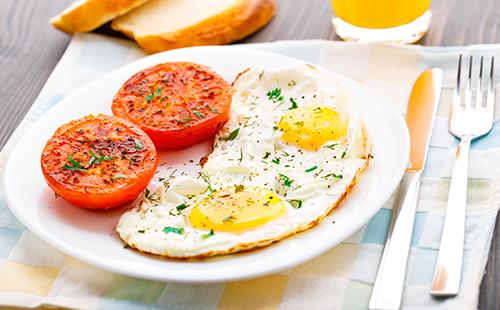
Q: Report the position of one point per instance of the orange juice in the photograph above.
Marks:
(379, 13)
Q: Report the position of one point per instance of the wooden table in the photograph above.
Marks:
(30, 48)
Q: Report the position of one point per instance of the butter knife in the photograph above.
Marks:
(422, 106)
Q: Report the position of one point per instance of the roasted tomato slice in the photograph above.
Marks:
(99, 162)
(177, 104)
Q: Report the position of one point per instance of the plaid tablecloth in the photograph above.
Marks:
(32, 273)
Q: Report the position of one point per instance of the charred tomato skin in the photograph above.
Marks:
(99, 162)
(177, 104)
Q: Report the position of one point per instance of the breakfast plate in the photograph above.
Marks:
(90, 235)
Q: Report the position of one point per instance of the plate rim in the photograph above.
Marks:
(73, 251)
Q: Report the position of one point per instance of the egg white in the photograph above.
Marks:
(250, 159)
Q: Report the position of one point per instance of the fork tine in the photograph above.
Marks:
(479, 89)
(490, 94)
(456, 94)
(468, 93)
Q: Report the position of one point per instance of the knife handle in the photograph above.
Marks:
(388, 287)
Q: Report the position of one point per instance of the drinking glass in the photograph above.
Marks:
(394, 21)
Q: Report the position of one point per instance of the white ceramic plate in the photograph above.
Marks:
(90, 236)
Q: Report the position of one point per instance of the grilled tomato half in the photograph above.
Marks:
(177, 104)
(99, 162)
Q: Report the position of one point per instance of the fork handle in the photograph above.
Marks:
(446, 281)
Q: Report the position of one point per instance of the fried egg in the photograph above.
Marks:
(291, 151)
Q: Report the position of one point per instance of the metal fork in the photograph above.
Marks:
(470, 119)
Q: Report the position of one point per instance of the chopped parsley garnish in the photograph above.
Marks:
(74, 162)
(338, 176)
(68, 167)
(228, 219)
(175, 230)
(118, 176)
(153, 94)
(141, 231)
(344, 153)
(239, 188)
(241, 155)
(210, 234)
(232, 135)
(247, 124)
(286, 180)
(214, 110)
(150, 97)
(77, 166)
(266, 155)
(187, 119)
(275, 95)
(206, 178)
(276, 161)
(137, 144)
(91, 161)
(312, 169)
(97, 159)
(296, 203)
(179, 208)
(198, 113)
(331, 146)
(292, 83)
(261, 75)
(151, 197)
(294, 104)
(166, 181)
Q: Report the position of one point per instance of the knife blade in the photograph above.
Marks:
(422, 107)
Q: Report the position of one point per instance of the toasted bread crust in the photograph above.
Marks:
(235, 23)
(89, 14)
(245, 247)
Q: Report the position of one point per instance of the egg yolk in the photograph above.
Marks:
(237, 208)
(311, 128)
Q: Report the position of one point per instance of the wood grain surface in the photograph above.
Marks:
(30, 48)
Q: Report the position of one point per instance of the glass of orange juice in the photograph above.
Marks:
(395, 21)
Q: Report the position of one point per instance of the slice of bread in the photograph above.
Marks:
(161, 25)
(87, 15)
